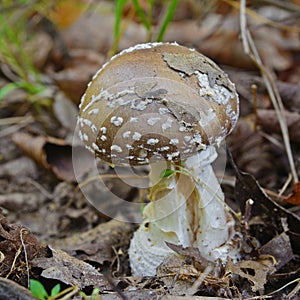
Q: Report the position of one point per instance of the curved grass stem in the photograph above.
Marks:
(251, 50)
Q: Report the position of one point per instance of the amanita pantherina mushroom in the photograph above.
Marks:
(166, 105)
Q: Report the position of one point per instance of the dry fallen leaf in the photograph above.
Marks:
(270, 212)
(65, 12)
(294, 198)
(177, 275)
(22, 167)
(77, 73)
(190, 253)
(70, 270)
(289, 92)
(53, 154)
(185, 276)
(85, 33)
(39, 48)
(268, 120)
(13, 239)
(65, 111)
(274, 249)
(96, 244)
(254, 271)
(252, 153)
(16, 202)
(211, 37)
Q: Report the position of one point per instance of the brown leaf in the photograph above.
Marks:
(269, 211)
(268, 120)
(96, 244)
(70, 270)
(53, 154)
(254, 271)
(65, 111)
(85, 33)
(212, 38)
(279, 248)
(21, 167)
(32, 146)
(17, 202)
(13, 238)
(253, 154)
(181, 276)
(190, 252)
(294, 198)
(73, 79)
(38, 48)
(289, 92)
(176, 274)
(64, 12)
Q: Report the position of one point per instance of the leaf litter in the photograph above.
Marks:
(68, 241)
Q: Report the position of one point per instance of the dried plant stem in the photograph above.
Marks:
(261, 18)
(199, 281)
(25, 256)
(16, 120)
(251, 50)
(283, 5)
(14, 262)
(254, 96)
(286, 184)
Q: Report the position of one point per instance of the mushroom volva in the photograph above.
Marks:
(168, 106)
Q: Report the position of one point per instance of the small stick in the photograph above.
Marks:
(254, 96)
(25, 255)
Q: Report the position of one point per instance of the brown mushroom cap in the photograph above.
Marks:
(156, 101)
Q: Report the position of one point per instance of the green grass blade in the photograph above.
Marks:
(7, 88)
(32, 88)
(117, 26)
(166, 173)
(141, 15)
(167, 19)
(118, 17)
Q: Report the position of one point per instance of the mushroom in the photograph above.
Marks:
(168, 106)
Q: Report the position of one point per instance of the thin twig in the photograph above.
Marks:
(40, 188)
(251, 50)
(286, 184)
(10, 130)
(14, 262)
(116, 259)
(272, 140)
(194, 288)
(295, 291)
(254, 96)
(15, 120)
(25, 256)
(68, 293)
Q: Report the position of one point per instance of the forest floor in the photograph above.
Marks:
(52, 233)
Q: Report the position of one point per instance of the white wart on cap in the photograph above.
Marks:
(156, 101)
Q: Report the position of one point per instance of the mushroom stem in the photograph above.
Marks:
(184, 210)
